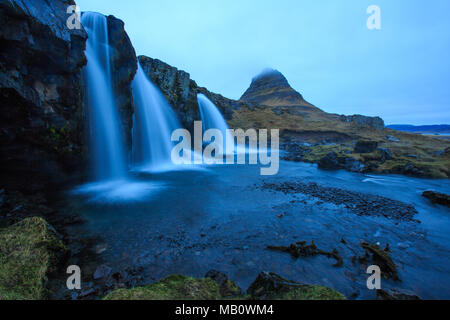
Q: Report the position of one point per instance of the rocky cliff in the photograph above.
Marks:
(41, 123)
(124, 64)
(181, 91)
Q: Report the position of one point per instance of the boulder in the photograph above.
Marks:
(365, 146)
(394, 294)
(227, 287)
(437, 197)
(385, 154)
(271, 286)
(329, 162)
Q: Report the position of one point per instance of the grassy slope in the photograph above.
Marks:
(311, 123)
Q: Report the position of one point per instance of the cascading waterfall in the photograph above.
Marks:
(213, 119)
(112, 183)
(154, 122)
(106, 143)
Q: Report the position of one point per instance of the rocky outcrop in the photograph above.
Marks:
(271, 286)
(181, 91)
(177, 87)
(124, 64)
(41, 137)
(437, 197)
(364, 121)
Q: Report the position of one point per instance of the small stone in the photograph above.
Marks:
(102, 271)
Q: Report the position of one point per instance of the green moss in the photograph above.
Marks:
(174, 287)
(28, 251)
(308, 292)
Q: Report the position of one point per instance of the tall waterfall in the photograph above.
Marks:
(154, 122)
(213, 119)
(105, 138)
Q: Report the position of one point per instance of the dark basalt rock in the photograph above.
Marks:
(395, 295)
(365, 146)
(329, 162)
(364, 121)
(124, 64)
(382, 259)
(227, 288)
(41, 139)
(271, 286)
(181, 91)
(437, 197)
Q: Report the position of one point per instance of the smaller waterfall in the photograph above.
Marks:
(213, 119)
(154, 122)
(105, 139)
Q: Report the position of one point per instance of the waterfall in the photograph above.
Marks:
(213, 119)
(105, 138)
(153, 125)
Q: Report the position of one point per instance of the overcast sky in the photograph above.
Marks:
(324, 48)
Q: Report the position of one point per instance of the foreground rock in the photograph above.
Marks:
(29, 250)
(174, 287)
(40, 93)
(436, 197)
(270, 286)
(395, 295)
(216, 286)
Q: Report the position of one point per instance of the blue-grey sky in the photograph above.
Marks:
(324, 48)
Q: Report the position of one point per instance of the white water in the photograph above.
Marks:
(213, 119)
(106, 148)
(154, 122)
(111, 181)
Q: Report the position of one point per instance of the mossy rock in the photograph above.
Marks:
(271, 286)
(174, 287)
(29, 250)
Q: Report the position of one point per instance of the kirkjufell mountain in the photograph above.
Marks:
(271, 88)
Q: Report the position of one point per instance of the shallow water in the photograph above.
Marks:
(217, 217)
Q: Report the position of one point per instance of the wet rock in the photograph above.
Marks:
(385, 154)
(41, 112)
(437, 197)
(124, 63)
(227, 287)
(394, 294)
(382, 259)
(102, 271)
(271, 286)
(365, 146)
(301, 249)
(329, 162)
(392, 138)
(353, 165)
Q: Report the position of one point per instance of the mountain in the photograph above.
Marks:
(437, 128)
(271, 88)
